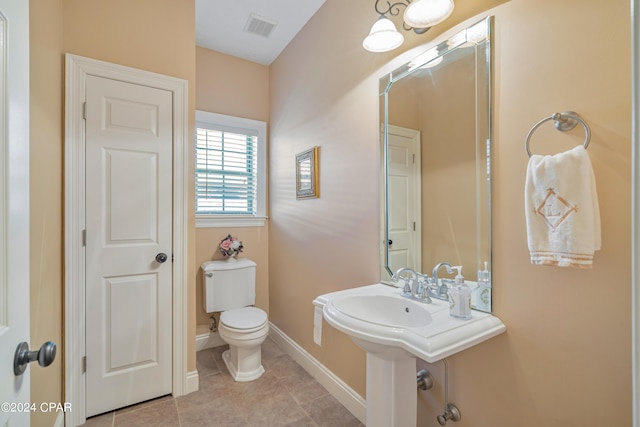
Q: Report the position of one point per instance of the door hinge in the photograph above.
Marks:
(413, 158)
(171, 257)
(84, 237)
(414, 226)
(84, 364)
(84, 110)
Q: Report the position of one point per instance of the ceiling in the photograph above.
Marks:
(255, 30)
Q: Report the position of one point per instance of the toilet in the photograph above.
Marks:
(230, 288)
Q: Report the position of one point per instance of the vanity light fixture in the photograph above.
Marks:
(419, 16)
(427, 13)
(383, 36)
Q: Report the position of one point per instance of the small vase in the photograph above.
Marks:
(232, 258)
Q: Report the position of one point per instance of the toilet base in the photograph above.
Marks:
(249, 361)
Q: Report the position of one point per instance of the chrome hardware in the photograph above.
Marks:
(424, 378)
(161, 257)
(450, 413)
(409, 285)
(45, 356)
(425, 289)
(442, 289)
(415, 287)
(562, 122)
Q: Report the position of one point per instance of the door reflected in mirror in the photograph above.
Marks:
(436, 145)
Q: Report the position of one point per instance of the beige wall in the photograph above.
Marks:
(123, 32)
(235, 87)
(232, 86)
(566, 357)
(46, 244)
(449, 175)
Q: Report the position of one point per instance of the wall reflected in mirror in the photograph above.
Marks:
(436, 145)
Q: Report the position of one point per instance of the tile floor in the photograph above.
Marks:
(286, 395)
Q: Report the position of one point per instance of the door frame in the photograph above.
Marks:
(76, 71)
(635, 207)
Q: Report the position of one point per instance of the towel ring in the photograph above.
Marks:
(563, 122)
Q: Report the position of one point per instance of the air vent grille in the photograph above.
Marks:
(259, 26)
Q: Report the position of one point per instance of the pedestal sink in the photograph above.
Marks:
(394, 331)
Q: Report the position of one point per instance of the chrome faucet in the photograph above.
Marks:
(442, 288)
(413, 288)
(410, 286)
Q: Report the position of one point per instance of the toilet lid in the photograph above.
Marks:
(243, 318)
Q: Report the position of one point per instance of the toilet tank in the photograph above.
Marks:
(228, 285)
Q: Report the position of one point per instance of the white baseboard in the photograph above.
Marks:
(193, 382)
(208, 340)
(59, 420)
(338, 388)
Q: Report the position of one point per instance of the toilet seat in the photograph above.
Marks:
(244, 320)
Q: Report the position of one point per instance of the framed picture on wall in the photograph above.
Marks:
(307, 174)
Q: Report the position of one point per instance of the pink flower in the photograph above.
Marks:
(230, 246)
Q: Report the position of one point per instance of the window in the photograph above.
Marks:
(230, 171)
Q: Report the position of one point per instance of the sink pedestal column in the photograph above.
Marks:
(391, 389)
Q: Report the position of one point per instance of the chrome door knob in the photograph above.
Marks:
(45, 356)
(161, 257)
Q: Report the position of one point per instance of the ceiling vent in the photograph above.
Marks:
(259, 26)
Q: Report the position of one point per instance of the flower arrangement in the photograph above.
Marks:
(230, 246)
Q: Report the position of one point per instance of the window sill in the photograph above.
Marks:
(212, 221)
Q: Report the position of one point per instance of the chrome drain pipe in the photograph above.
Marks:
(425, 380)
(451, 412)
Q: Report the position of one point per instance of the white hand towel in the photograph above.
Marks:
(561, 209)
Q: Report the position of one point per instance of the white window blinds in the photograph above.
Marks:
(226, 171)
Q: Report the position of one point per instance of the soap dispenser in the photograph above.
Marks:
(460, 297)
(482, 295)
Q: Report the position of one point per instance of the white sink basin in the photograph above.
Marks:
(384, 310)
(378, 314)
(394, 331)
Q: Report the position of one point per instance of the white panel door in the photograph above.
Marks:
(14, 208)
(403, 203)
(128, 225)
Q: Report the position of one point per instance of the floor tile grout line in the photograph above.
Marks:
(175, 404)
(303, 410)
(294, 400)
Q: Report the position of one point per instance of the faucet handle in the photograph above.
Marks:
(408, 283)
(424, 293)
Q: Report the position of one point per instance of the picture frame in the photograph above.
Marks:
(307, 182)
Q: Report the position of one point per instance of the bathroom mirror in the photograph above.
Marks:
(436, 161)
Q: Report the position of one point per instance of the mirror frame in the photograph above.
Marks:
(478, 34)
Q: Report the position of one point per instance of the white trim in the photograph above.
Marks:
(59, 422)
(252, 126)
(210, 221)
(209, 340)
(192, 382)
(635, 204)
(338, 388)
(77, 70)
